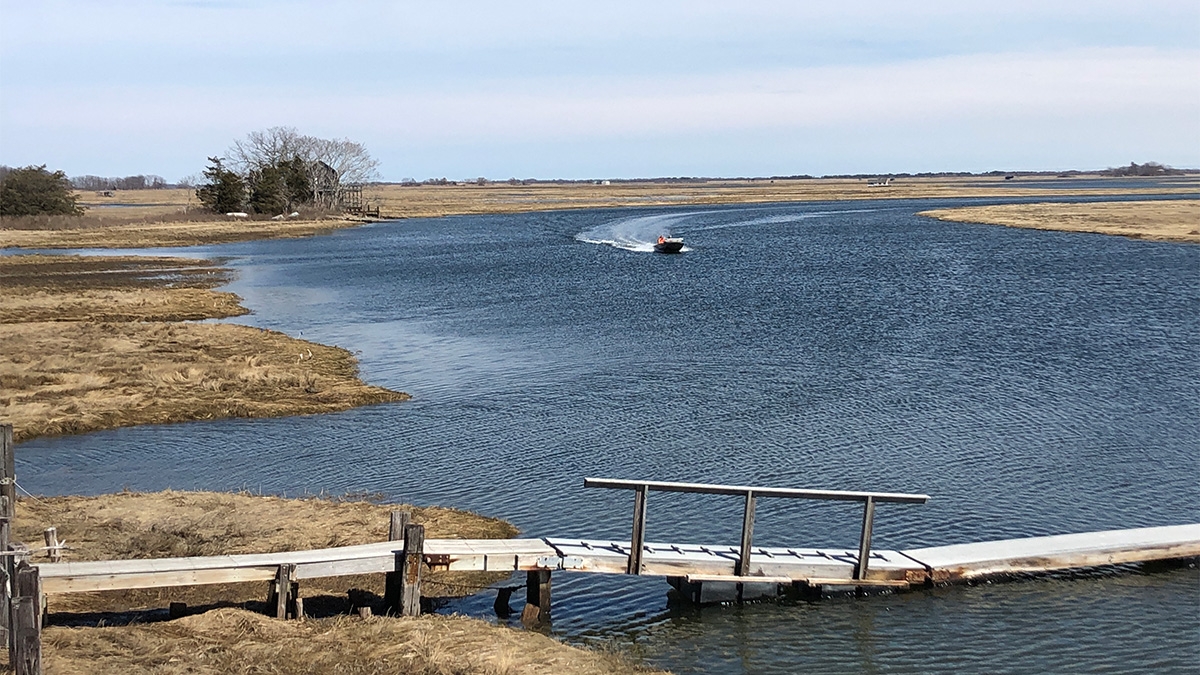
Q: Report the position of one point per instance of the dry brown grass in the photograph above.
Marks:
(170, 232)
(1156, 220)
(103, 288)
(72, 377)
(440, 200)
(235, 641)
(85, 345)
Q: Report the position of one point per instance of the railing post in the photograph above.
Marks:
(638, 539)
(864, 543)
(743, 568)
(8, 507)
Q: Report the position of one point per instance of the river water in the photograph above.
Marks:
(1031, 382)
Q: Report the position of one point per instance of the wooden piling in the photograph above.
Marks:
(399, 520)
(503, 597)
(537, 598)
(25, 650)
(410, 564)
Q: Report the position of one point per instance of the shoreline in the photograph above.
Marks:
(100, 342)
(1175, 221)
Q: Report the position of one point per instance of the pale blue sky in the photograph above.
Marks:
(612, 89)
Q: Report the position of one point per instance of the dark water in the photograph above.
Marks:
(1031, 382)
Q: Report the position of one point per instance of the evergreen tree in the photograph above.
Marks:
(33, 191)
(267, 193)
(297, 183)
(224, 192)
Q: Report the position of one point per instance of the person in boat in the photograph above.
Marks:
(661, 239)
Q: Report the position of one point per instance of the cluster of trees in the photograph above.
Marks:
(279, 169)
(33, 190)
(138, 182)
(1147, 169)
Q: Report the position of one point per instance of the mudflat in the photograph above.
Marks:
(1174, 220)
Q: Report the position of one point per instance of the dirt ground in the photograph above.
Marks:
(1155, 220)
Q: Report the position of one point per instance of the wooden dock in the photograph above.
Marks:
(698, 572)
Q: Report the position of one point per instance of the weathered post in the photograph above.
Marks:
(743, 568)
(50, 534)
(400, 519)
(8, 505)
(25, 651)
(537, 598)
(864, 543)
(638, 539)
(411, 562)
(17, 553)
(285, 590)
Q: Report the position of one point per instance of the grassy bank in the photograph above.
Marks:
(224, 632)
(1155, 220)
(95, 343)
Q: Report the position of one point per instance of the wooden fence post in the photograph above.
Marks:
(400, 520)
(25, 655)
(50, 534)
(411, 565)
(8, 506)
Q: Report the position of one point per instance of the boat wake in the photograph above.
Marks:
(782, 218)
(633, 234)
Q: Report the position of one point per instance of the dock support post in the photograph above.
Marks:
(537, 598)
(409, 563)
(638, 540)
(743, 567)
(25, 646)
(284, 591)
(864, 543)
(8, 505)
(400, 519)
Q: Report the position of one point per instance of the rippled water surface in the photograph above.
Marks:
(1031, 382)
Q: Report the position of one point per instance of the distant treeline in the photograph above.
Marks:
(150, 182)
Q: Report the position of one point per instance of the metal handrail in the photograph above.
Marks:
(642, 487)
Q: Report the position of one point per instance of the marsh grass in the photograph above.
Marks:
(89, 343)
(236, 641)
(1175, 220)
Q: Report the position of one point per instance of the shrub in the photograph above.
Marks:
(34, 191)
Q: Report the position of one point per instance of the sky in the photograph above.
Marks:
(613, 89)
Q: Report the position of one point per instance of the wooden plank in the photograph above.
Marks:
(482, 555)
(733, 579)
(1058, 552)
(706, 488)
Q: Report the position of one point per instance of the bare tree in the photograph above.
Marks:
(270, 147)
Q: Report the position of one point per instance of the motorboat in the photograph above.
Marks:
(668, 245)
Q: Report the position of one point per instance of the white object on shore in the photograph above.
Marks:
(238, 214)
(294, 214)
